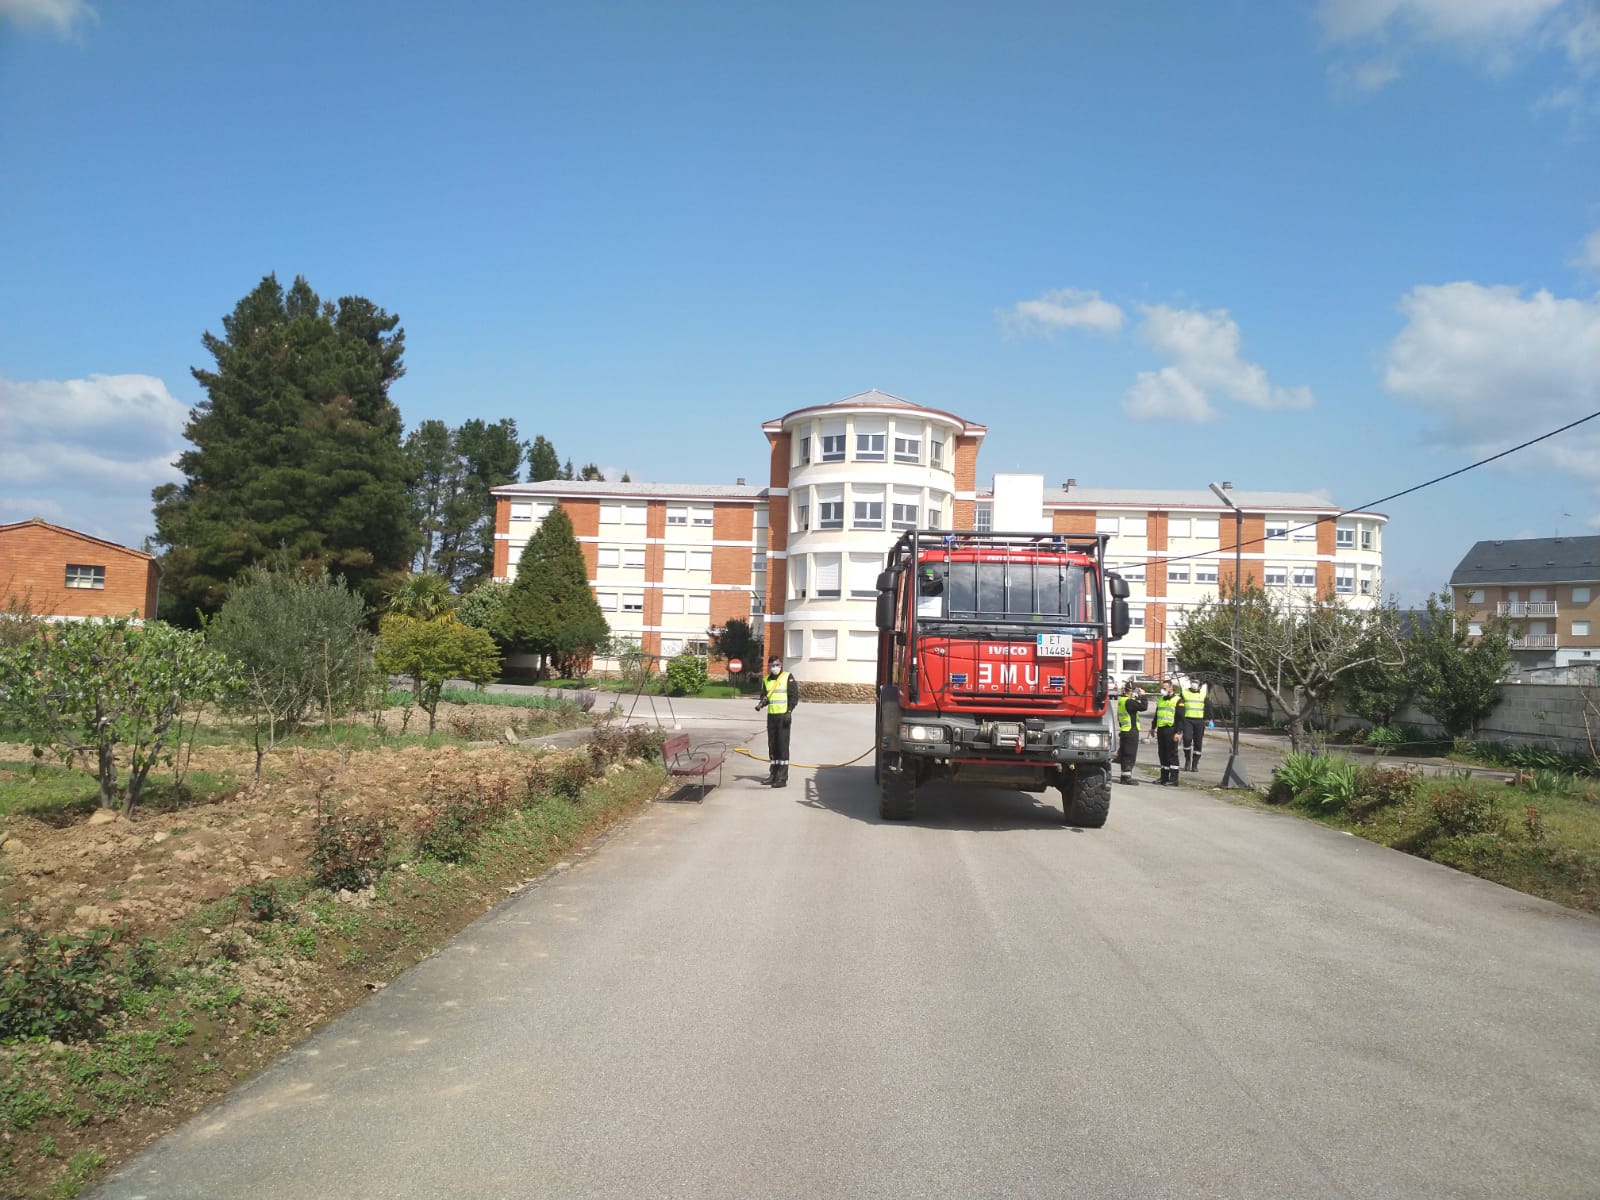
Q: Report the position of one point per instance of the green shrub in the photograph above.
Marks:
(55, 985)
(347, 851)
(644, 741)
(459, 816)
(1546, 782)
(261, 901)
(1383, 739)
(1533, 823)
(608, 744)
(1462, 808)
(686, 675)
(1381, 788)
(1298, 774)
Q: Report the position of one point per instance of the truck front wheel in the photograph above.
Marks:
(897, 794)
(1086, 797)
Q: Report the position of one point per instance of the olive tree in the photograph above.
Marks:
(108, 690)
(1456, 674)
(430, 652)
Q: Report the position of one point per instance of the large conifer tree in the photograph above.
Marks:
(550, 610)
(296, 446)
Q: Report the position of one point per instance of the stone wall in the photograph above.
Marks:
(837, 693)
(1530, 714)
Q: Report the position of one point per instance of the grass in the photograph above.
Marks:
(52, 792)
(713, 690)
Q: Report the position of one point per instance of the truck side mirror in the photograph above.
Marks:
(885, 610)
(885, 580)
(1120, 621)
(1119, 585)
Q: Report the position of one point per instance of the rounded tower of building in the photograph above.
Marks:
(847, 479)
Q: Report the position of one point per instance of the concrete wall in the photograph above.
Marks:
(1533, 714)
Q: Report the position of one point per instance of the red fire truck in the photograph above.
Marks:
(992, 667)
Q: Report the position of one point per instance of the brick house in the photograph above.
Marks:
(1549, 586)
(66, 575)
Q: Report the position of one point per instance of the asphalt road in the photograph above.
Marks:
(774, 994)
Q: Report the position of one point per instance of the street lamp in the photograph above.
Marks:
(1233, 775)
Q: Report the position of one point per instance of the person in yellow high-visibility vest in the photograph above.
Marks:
(780, 692)
(1164, 723)
(1129, 705)
(1194, 695)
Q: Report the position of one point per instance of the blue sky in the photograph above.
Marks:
(1337, 247)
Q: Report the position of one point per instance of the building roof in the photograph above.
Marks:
(873, 398)
(1530, 560)
(601, 489)
(1090, 497)
(41, 523)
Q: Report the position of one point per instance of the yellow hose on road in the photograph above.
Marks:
(807, 766)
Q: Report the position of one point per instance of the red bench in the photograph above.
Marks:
(697, 762)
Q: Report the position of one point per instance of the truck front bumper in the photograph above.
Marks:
(1029, 740)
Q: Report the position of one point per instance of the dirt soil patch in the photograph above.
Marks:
(256, 987)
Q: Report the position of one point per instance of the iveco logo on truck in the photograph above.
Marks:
(992, 652)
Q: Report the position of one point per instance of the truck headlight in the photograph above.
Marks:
(1088, 741)
(922, 733)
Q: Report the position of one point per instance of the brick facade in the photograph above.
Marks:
(35, 555)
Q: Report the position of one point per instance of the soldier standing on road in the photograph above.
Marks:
(1129, 705)
(1164, 724)
(1194, 695)
(780, 692)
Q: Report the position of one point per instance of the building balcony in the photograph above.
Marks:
(1526, 608)
(1535, 641)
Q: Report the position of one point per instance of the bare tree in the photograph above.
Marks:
(1293, 649)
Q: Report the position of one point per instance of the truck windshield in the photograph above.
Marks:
(1013, 591)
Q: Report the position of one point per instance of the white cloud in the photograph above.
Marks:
(1474, 23)
(1496, 367)
(1203, 348)
(1588, 258)
(1068, 308)
(63, 16)
(86, 452)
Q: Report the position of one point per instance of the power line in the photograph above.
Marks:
(1482, 462)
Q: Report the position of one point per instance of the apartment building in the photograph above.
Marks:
(66, 575)
(671, 562)
(1549, 586)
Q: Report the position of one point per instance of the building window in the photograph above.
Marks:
(1344, 580)
(1276, 576)
(1177, 572)
(863, 580)
(1344, 537)
(935, 517)
(1366, 539)
(635, 514)
(1133, 572)
(522, 510)
(1178, 527)
(935, 453)
(608, 556)
(983, 517)
(671, 647)
(1580, 595)
(802, 518)
(677, 515)
(1133, 526)
(1136, 618)
(1106, 525)
(699, 560)
(869, 447)
(611, 514)
(827, 576)
(1132, 664)
(797, 578)
(672, 560)
(671, 602)
(699, 647)
(1277, 529)
(796, 640)
(700, 604)
(633, 602)
(830, 514)
(759, 516)
(833, 447)
(700, 516)
(1305, 530)
(905, 516)
(758, 605)
(824, 643)
(869, 514)
(758, 562)
(1475, 596)
(633, 556)
(805, 451)
(1580, 629)
(1205, 572)
(1305, 577)
(606, 600)
(1366, 581)
(861, 645)
(1474, 629)
(1205, 527)
(907, 450)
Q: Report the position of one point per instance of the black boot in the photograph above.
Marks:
(1127, 778)
(781, 776)
(772, 774)
(1196, 766)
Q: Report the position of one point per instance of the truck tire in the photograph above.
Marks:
(1086, 800)
(897, 795)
